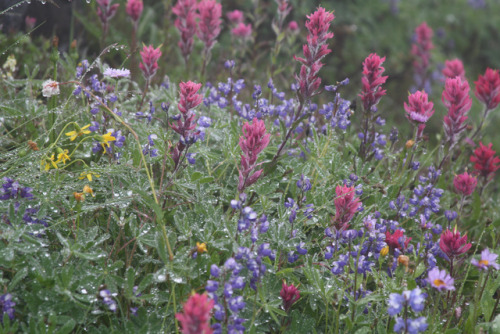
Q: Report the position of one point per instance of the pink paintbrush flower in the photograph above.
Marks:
(289, 294)
(465, 183)
(346, 204)
(185, 10)
(452, 244)
(372, 81)
(318, 25)
(458, 102)
(149, 64)
(134, 9)
(242, 30)
(488, 88)
(454, 68)
(419, 109)
(235, 16)
(210, 20)
(421, 52)
(485, 161)
(195, 318)
(254, 141)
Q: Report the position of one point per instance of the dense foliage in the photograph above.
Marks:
(206, 167)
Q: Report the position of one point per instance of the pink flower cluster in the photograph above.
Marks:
(465, 183)
(106, 11)
(421, 51)
(242, 30)
(149, 64)
(235, 16)
(185, 10)
(254, 140)
(452, 244)
(289, 294)
(393, 240)
(195, 319)
(346, 205)
(210, 13)
(419, 109)
(485, 161)
(372, 81)
(134, 9)
(318, 25)
(488, 88)
(189, 12)
(189, 100)
(458, 102)
(454, 68)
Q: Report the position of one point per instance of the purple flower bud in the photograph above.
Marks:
(214, 270)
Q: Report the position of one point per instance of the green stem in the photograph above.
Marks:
(143, 158)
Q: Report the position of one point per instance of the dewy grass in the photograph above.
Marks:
(282, 197)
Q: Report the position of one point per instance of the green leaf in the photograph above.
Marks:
(67, 327)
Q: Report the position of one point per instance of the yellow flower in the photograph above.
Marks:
(404, 260)
(409, 144)
(78, 132)
(63, 156)
(88, 190)
(105, 139)
(79, 197)
(50, 162)
(88, 175)
(384, 251)
(201, 247)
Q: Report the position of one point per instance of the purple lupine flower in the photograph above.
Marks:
(107, 298)
(7, 306)
(300, 248)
